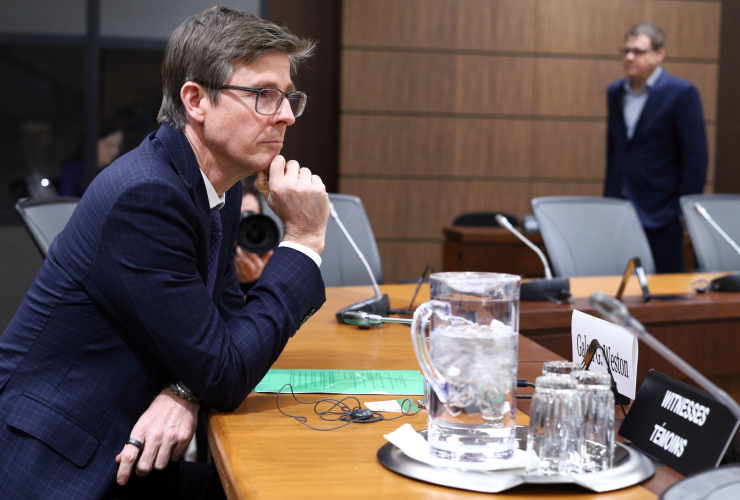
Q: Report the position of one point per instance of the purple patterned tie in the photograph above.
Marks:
(216, 236)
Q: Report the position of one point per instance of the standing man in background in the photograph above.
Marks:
(656, 143)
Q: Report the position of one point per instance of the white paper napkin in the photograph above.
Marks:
(416, 447)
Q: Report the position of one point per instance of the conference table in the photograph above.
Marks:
(261, 453)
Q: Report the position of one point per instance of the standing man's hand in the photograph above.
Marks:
(165, 430)
(299, 199)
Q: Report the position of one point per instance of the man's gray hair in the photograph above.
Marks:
(653, 32)
(203, 48)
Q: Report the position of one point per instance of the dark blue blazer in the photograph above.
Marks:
(667, 155)
(119, 306)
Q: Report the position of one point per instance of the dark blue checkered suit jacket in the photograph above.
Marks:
(119, 306)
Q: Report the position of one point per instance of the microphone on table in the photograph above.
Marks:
(730, 283)
(362, 318)
(547, 288)
(376, 305)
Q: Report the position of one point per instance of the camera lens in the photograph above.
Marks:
(257, 233)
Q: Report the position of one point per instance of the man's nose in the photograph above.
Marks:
(284, 113)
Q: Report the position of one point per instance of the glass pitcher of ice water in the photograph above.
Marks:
(466, 341)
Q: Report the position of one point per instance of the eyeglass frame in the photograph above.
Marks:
(258, 90)
(625, 51)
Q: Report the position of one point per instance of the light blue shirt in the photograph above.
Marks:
(634, 102)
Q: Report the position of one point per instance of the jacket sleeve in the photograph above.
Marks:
(145, 275)
(693, 138)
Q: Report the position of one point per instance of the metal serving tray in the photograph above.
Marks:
(630, 467)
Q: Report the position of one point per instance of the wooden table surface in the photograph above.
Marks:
(701, 328)
(261, 453)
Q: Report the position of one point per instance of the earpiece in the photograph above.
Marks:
(339, 410)
(361, 414)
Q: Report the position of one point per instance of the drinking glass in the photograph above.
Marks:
(560, 368)
(597, 405)
(554, 431)
(466, 342)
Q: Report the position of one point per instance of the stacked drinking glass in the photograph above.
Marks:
(571, 425)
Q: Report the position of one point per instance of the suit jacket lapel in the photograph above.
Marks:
(183, 159)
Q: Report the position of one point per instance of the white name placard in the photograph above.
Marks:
(620, 349)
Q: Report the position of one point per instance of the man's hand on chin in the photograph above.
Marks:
(165, 430)
(299, 199)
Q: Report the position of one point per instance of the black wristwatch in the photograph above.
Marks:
(181, 390)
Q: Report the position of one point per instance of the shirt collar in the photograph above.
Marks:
(649, 83)
(214, 200)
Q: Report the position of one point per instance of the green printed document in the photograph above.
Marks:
(394, 382)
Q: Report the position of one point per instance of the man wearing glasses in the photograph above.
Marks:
(136, 315)
(656, 143)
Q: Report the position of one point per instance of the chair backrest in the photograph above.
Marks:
(340, 264)
(712, 252)
(590, 236)
(45, 218)
(482, 219)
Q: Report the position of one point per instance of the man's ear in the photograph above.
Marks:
(661, 54)
(194, 97)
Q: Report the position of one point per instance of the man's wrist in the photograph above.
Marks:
(182, 391)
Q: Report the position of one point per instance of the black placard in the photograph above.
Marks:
(682, 426)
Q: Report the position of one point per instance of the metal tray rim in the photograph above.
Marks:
(635, 469)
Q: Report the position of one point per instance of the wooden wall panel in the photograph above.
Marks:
(424, 147)
(452, 106)
(691, 28)
(574, 87)
(485, 25)
(568, 150)
(407, 260)
(420, 208)
(585, 26)
(436, 83)
(588, 188)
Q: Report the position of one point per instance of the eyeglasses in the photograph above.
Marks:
(268, 99)
(625, 51)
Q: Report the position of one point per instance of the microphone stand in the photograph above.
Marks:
(547, 288)
(731, 282)
(616, 312)
(378, 304)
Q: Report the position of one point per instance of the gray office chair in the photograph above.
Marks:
(340, 264)
(712, 252)
(45, 218)
(589, 236)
